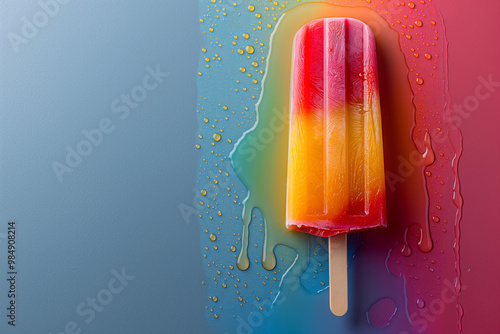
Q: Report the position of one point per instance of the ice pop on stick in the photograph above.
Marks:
(335, 177)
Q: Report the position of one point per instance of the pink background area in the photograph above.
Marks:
(473, 30)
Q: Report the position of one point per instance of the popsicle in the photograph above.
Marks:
(335, 177)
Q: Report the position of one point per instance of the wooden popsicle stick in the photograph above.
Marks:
(337, 248)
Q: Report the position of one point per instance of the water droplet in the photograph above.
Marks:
(438, 207)
(257, 15)
(255, 64)
(243, 70)
(418, 23)
(408, 36)
(203, 192)
(233, 249)
(198, 146)
(205, 120)
(416, 55)
(216, 316)
(213, 237)
(420, 303)
(203, 50)
(251, 8)
(216, 136)
(240, 298)
(224, 285)
(219, 213)
(250, 49)
(419, 81)
(428, 173)
(427, 56)
(215, 299)
(411, 5)
(246, 36)
(240, 51)
(381, 313)
(435, 219)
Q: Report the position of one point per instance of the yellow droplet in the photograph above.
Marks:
(224, 108)
(207, 59)
(250, 49)
(204, 50)
(215, 299)
(198, 146)
(219, 213)
(224, 285)
(246, 36)
(233, 249)
(203, 192)
(216, 181)
(243, 70)
(255, 64)
(255, 81)
(205, 120)
(216, 316)
(240, 51)
(257, 15)
(251, 8)
(216, 136)
(201, 20)
(240, 298)
(212, 237)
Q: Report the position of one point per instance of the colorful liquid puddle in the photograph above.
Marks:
(404, 279)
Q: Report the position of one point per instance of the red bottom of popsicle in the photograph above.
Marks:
(344, 223)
